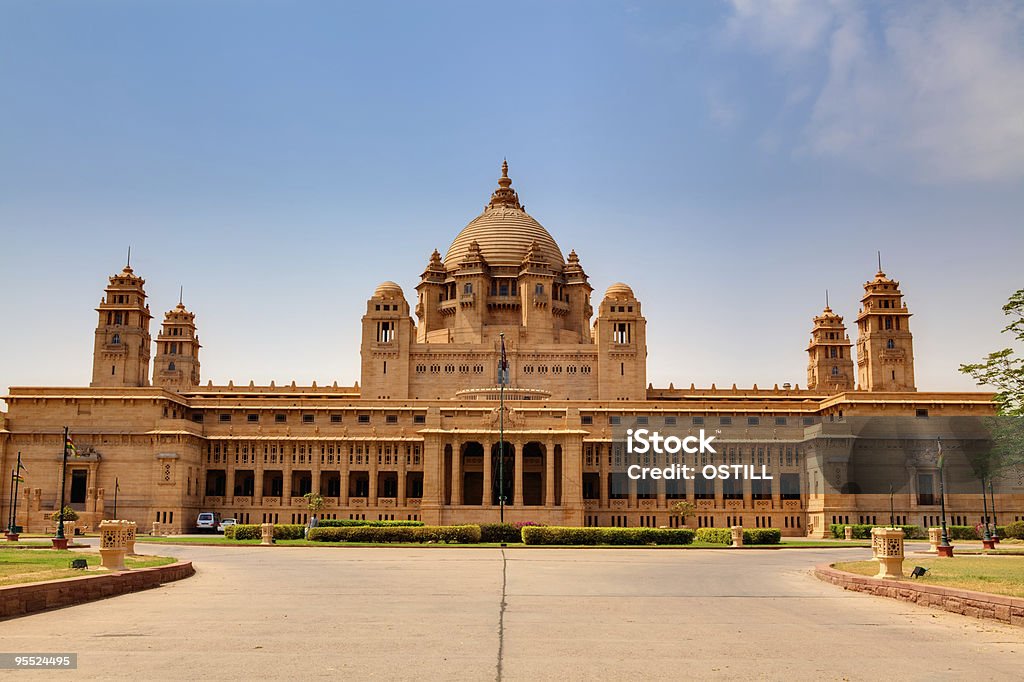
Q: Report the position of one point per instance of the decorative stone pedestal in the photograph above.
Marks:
(737, 536)
(113, 536)
(11, 537)
(934, 540)
(130, 537)
(887, 549)
(59, 543)
(848, 532)
(988, 544)
(266, 534)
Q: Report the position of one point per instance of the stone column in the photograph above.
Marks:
(402, 473)
(343, 476)
(549, 474)
(887, 549)
(113, 536)
(488, 483)
(456, 475)
(662, 494)
(603, 469)
(517, 494)
(286, 480)
(372, 499)
(257, 473)
(266, 533)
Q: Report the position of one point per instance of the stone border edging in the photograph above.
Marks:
(21, 600)
(1009, 610)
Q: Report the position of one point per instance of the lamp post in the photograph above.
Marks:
(945, 549)
(984, 504)
(995, 523)
(61, 542)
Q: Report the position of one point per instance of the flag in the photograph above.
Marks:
(69, 445)
(18, 478)
(942, 457)
(503, 365)
(21, 467)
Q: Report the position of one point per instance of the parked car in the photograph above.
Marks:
(206, 521)
(225, 523)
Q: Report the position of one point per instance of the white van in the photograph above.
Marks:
(206, 521)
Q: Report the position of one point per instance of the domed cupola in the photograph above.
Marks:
(504, 233)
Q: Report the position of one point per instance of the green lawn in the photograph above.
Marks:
(993, 574)
(21, 566)
(221, 541)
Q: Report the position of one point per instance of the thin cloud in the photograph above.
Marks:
(932, 91)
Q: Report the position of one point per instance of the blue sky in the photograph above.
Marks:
(729, 160)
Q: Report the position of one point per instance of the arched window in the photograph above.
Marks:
(115, 339)
(170, 366)
(538, 289)
(835, 371)
(890, 344)
(468, 288)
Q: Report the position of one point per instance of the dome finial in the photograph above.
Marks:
(505, 195)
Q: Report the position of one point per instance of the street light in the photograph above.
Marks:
(945, 549)
(995, 523)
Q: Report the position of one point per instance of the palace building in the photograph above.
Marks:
(419, 436)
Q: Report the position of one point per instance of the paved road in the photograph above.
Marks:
(521, 614)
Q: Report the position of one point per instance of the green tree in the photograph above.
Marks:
(1004, 369)
(684, 508)
(315, 502)
(69, 515)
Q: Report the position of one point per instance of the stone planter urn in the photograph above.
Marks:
(848, 532)
(737, 536)
(887, 550)
(266, 534)
(113, 538)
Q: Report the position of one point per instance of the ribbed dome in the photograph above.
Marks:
(388, 290)
(619, 291)
(504, 232)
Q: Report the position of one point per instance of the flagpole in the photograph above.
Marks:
(115, 497)
(501, 432)
(63, 481)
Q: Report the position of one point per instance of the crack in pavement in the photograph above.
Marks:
(501, 615)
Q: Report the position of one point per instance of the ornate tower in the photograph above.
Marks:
(121, 350)
(830, 354)
(885, 346)
(177, 351)
(388, 334)
(620, 332)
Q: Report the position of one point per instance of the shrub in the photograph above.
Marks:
(69, 515)
(1013, 530)
(289, 531)
(504, 532)
(244, 531)
(387, 534)
(229, 532)
(346, 523)
(762, 536)
(500, 532)
(862, 531)
(718, 536)
(556, 535)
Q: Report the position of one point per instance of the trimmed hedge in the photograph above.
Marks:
(862, 531)
(762, 536)
(751, 536)
(1013, 530)
(971, 533)
(717, 536)
(557, 535)
(504, 532)
(253, 531)
(386, 534)
(353, 523)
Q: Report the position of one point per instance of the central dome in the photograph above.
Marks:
(504, 232)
